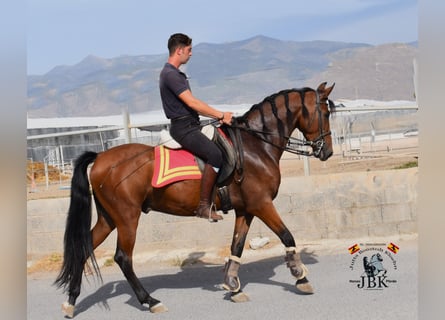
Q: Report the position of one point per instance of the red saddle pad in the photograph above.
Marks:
(173, 165)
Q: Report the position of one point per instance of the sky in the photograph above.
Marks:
(65, 32)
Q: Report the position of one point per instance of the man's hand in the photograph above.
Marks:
(226, 118)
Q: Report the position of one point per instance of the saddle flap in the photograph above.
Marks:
(229, 157)
(209, 131)
(167, 140)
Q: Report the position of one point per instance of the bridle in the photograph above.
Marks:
(294, 145)
(317, 144)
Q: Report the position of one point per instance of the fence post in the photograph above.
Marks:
(126, 119)
(307, 166)
(62, 160)
(46, 175)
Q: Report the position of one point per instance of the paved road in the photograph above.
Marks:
(193, 292)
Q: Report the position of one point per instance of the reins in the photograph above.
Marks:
(293, 145)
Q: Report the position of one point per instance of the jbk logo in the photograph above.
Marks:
(367, 282)
(373, 274)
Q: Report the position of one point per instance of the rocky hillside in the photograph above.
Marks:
(229, 73)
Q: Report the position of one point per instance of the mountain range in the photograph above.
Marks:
(241, 72)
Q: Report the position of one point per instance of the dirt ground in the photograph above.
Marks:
(385, 155)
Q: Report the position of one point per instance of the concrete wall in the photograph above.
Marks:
(335, 206)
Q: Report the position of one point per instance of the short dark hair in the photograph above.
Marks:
(178, 40)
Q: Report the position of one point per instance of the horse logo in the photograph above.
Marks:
(374, 266)
(374, 276)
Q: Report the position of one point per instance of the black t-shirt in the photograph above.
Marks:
(172, 82)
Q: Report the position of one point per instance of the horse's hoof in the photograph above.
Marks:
(304, 286)
(68, 309)
(239, 297)
(158, 308)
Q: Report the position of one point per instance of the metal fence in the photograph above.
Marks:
(355, 131)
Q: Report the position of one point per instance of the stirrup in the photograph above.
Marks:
(209, 213)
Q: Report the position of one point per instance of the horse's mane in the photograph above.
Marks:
(272, 101)
(285, 93)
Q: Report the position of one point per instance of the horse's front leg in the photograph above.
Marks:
(231, 279)
(269, 215)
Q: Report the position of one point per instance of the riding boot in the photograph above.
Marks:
(205, 208)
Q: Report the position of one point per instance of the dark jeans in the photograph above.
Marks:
(187, 132)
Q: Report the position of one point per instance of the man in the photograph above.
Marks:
(183, 110)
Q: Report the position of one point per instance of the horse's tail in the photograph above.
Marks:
(78, 246)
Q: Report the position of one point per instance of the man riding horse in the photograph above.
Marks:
(183, 110)
(120, 180)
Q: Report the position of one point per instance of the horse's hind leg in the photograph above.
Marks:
(98, 234)
(123, 257)
(101, 229)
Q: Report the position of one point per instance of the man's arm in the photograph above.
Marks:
(203, 108)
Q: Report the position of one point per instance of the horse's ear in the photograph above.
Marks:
(325, 92)
(321, 87)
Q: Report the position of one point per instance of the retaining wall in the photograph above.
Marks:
(335, 206)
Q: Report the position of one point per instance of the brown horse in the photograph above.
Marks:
(120, 183)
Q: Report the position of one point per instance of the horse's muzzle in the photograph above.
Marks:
(321, 150)
(325, 154)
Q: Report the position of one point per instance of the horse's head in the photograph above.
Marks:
(379, 257)
(315, 123)
(274, 120)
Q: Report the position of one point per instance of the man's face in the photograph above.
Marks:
(185, 53)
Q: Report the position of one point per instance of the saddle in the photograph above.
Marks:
(232, 157)
(218, 136)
